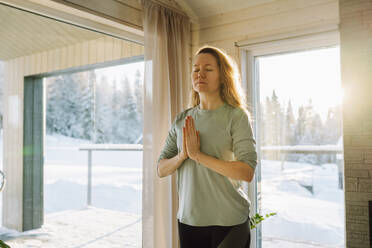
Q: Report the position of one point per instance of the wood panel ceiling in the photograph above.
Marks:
(23, 33)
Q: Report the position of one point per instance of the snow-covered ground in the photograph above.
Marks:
(116, 177)
(303, 219)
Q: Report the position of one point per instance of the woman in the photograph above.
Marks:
(211, 146)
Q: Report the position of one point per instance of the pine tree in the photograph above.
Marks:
(277, 119)
(289, 126)
(332, 126)
(316, 128)
(129, 117)
(313, 126)
(103, 111)
(300, 125)
(138, 92)
(86, 104)
(81, 106)
(55, 105)
(116, 106)
(71, 107)
(274, 121)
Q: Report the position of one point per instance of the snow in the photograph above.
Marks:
(116, 177)
(303, 219)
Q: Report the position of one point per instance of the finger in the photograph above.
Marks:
(189, 127)
(187, 134)
(192, 125)
(184, 140)
(183, 135)
(187, 122)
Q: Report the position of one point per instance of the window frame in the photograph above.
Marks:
(34, 134)
(249, 51)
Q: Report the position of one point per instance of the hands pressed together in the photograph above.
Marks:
(191, 140)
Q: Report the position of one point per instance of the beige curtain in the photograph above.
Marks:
(167, 85)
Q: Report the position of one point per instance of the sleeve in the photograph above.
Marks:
(170, 148)
(243, 144)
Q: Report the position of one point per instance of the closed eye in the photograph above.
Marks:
(206, 70)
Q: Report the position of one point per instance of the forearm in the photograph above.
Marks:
(233, 169)
(169, 166)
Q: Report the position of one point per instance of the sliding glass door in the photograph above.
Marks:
(299, 132)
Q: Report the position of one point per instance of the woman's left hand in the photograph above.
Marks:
(192, 139)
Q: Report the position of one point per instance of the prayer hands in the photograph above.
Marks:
(183, 153)
(191, 139)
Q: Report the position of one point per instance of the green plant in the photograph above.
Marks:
(3, 245)
(257, 219)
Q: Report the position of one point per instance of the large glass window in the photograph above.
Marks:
(93, 117)
(87, 112)
(301, 163)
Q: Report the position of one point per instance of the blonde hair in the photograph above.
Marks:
(231, 90)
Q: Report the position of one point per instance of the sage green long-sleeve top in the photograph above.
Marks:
(205, 196)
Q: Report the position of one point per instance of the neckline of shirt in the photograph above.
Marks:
(209, 111)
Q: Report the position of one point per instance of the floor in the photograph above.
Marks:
(88, 228)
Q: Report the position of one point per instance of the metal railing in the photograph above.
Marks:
(311, 149)
(103, 147)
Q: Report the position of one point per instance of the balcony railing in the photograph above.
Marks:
(104, 147)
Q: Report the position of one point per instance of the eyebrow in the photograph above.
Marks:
(205, 64)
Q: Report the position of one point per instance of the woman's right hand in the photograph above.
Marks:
(183, 153)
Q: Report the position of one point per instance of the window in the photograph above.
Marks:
(83, 111)
(300, 137)
(93, 85)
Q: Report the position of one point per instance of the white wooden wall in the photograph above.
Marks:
(86, 53)
(276, 17)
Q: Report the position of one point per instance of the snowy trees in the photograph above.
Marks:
(80, 105)
(289, 125)
(279, 126)
(69, 105)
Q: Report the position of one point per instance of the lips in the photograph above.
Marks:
(202, 83)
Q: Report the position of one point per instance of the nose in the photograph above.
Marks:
(200, 74)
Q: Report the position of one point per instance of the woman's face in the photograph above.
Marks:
(206, 75)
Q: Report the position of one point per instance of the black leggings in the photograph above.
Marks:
(238, 236)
